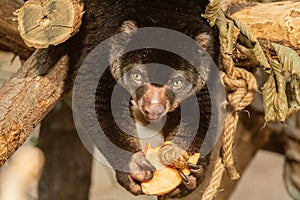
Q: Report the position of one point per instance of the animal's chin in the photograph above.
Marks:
(152, 118)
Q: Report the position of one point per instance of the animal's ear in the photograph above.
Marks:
(118, 46)
(204, 40)
(129, 26)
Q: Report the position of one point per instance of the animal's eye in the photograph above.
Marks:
(177, 83)
(137, 76)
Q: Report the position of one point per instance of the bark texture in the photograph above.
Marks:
(276, 22)
(10, 38)
(26, 99)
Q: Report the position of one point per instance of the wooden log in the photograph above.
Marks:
(10, 38)
(49, 22)
(276, 22)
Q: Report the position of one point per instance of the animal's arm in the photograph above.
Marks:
(118, 128)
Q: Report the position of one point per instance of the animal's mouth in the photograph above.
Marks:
(153, 112)
(153, 118)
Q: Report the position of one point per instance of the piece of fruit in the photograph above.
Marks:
(165, 179)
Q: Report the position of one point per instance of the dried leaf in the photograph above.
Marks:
(275, 99)
(281, 97)
(212, 11)
(289, 59)
(257, 50)
(269, 93)
(293, 94)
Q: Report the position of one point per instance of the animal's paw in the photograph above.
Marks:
(172, 155)
(189, 183)
(139, 170)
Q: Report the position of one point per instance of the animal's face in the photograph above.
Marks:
(156, 89)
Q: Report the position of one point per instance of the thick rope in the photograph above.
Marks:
(228, 138)
(242, 86)
(215, 180)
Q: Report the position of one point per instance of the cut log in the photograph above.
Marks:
(49, 22)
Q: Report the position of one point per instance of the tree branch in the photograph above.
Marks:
(10, 38)
(25, 100)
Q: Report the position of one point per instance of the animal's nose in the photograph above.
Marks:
(154, 111)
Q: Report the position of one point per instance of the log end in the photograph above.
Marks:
(49, 22)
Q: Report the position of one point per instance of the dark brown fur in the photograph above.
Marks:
(182, 16)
